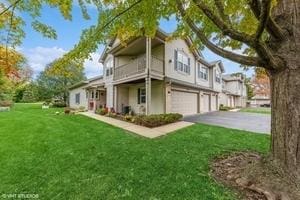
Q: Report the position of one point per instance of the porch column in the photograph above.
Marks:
(115, 105)
(148, 77)
(94, 100)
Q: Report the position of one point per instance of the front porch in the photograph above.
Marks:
(131, 97)
(96, 97)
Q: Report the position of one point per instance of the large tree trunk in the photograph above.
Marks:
(285, 89)
(285, 123)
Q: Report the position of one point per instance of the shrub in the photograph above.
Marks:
(156, 120)
(102, 111)
(81, 109)
(224, 108)
(59, 104)
(6, 103)
(111, 114)
(67, 110)
(128, 118)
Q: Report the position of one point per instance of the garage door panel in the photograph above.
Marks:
(213, 103)
(205, 103)
(184, 103)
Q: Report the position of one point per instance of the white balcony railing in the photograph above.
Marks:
(138, 66)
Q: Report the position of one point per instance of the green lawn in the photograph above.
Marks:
(257, 110)
(74, 157)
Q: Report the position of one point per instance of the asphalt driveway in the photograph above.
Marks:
(254, 122)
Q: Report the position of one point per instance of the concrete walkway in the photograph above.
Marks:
(254, 122)
(140, 130)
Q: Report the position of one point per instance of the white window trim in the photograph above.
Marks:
(200, 67)
(78, 98)
(140, 95)
(109, 68)
(218, 76)
(184, 65)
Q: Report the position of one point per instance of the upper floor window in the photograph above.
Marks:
(218, 76)
(202, 72)
(109, 67)
(182, 62)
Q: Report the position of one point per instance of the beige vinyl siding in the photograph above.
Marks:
(170, 71)
(83, 100)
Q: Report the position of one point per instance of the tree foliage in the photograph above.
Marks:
(11, 61)
(54, 83)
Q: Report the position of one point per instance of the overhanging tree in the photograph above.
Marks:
(267, 32)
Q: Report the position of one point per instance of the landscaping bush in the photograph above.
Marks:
(111, 114)
(156, 120)
(67, 110)
(59, 104)
(102, 111)
(81, 109)
(128, 118)
(6, 103)
(224, 108)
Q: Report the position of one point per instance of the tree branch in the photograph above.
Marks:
(226, 30)
(272, 28)
(245, 60)
(9, 7)
(220, 7)
(263, 18)
(260, 47)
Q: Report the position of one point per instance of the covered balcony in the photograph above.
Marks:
(138, 67)
(131, 60)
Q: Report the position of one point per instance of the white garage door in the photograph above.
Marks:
(205, 103)
(213, 103)
(184, 103)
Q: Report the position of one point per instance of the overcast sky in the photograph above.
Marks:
(40, 51)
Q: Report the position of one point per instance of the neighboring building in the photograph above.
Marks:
(151, 76)
(261, 89)
(260, 101)
(234, 91)
(89, 94)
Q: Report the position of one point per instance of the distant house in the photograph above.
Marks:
(151, 76)
(261, 89)
(234, 93)
(87, 94)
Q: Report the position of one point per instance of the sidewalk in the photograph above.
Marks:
(140, 130)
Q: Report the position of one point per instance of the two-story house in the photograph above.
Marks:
(154, 75)
(234, 91)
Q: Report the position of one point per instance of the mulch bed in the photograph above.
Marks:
(244, 172)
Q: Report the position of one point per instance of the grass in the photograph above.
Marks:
(75, 157)
(257, 110)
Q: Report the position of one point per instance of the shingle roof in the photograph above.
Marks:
(85, 82)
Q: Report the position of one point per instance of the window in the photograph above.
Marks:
(92, 94)
(182, 62)
(97, 94)
(202, 72)
(77, 98)
(141, 95)
(109, 67)
(218, 76)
